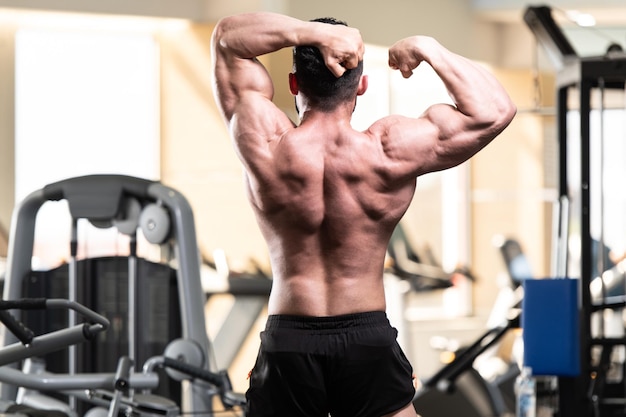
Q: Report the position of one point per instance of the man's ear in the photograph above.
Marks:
(293, 84)
(363, 83)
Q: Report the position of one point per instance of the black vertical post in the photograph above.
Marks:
(585, 244)
(573, 398)
(562, 138)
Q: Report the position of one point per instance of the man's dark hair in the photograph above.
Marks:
(316, 82)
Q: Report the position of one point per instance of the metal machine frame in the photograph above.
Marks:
(576, 81)
(101, 198)
(584, 76)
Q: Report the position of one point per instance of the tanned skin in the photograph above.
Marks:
(327, 197)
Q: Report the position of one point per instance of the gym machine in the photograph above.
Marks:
(590, 95)
(156, 310)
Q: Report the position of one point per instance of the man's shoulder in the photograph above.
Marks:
(384, 124)
(262, 116)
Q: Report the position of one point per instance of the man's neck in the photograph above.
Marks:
(341, 114)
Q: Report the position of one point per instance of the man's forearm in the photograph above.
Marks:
(255, 34)
(472, 88)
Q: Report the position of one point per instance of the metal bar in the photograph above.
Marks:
(79, 381)
(47, 343)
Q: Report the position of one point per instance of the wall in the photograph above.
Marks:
(184, 9)
(398, 19)
(197, 155)
(7, 130)
(511, 190)
(379, 25)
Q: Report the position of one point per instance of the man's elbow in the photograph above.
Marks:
(223, 30)
(218, 32)
(510, 111)
(504, 114)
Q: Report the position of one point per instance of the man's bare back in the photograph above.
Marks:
(328, 235)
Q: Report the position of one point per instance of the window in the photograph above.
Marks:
(87, 102)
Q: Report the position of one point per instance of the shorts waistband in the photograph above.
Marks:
(356, 320)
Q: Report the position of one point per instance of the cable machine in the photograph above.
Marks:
(591, 116)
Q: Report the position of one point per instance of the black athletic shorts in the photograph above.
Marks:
(348, 366)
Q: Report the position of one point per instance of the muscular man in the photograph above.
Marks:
(327, 198)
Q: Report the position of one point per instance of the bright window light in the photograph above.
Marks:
(87, 102)
(581, 19)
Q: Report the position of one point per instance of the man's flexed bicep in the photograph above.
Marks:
(437, 140)
(481, 110)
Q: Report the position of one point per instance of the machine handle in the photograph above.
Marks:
(23, 333)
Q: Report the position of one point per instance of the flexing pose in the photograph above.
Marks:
(327, 198)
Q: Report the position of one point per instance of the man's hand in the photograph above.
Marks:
(405, 55)
(342, 48)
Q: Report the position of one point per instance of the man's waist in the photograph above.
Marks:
(303, 322)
